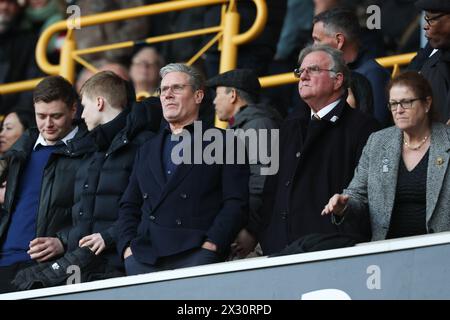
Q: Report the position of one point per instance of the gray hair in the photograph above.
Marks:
(195, 77)
(338, 64)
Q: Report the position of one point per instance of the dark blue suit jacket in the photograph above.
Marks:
(199, 202)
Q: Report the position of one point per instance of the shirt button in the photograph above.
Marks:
(145, 195)
(106, 155)
(86, 186)
(283, 215)
(183, 195)
(152, 217)
(125, 141)
(80, 213)
(178, 222)
(297, 155)
(169, 172)
(287, 183)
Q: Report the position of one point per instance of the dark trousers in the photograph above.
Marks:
(7, 274)
(191, 258)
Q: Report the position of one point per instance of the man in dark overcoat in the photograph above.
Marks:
(185, 213)
(436, 68)
(318, 152)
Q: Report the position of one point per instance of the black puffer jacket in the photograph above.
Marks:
(103, 176)
(56, 197)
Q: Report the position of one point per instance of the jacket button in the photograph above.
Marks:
(125, 141)
(86, 186)
(297, 155)
(152, 217)
(145, 196)
(80, 213)
(178, 222)
(283, 215)
(431, 230)
(183, 195)
(106, 155)
(287, 183)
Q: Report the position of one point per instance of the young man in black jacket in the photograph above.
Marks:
(39, 191)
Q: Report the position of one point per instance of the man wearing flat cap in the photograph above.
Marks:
(437, 66)
(237, 95)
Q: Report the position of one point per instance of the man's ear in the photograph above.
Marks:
(198, 95)
(233, 96)
(338, 81)
(340, 40)
(428, 101)
(100, 103)
(73, 110)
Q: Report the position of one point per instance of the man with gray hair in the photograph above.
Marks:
(173, 214)
(318, 153)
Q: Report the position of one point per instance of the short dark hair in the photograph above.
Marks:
(26, 117)
(340, 20)
(55, 88)
(362, 92)
(109, 85)
(418, 84)
(244, 95)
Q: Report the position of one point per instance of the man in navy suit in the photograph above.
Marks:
(173, 214)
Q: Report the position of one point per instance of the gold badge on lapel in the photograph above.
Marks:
(439, 161)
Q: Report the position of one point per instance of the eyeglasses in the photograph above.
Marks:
(311, 70)
(404, 104)
(432, 20)
(175, 88)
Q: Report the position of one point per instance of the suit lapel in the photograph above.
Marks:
(437, 166)
(316, 128)
(180, 173)
(154, 160)
(388, 166)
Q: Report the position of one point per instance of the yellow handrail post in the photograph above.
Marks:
(229, 52)
(67, 63)
(228, 55)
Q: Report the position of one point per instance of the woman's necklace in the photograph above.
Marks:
(417, 147)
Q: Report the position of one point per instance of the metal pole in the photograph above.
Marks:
(229, 52)
(66, 62)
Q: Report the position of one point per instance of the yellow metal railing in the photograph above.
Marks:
(227, 32)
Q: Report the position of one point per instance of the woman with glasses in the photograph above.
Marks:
(401, 186)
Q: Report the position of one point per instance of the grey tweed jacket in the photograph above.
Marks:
(372, 190)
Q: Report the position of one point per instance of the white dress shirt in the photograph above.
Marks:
(41, 140)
